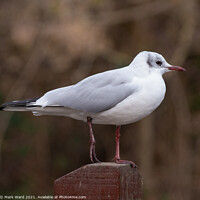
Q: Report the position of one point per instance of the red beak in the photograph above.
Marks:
(176, 68)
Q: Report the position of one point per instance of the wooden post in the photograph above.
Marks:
(100, 181)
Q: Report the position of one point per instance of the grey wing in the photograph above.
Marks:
(94, 94)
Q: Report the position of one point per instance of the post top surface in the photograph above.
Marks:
(109, 164)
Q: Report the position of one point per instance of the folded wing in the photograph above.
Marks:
(94, 94)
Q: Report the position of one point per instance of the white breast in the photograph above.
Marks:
(150, 94)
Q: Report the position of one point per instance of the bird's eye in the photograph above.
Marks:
(159, 62)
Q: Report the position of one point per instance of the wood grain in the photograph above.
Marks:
(100, 181)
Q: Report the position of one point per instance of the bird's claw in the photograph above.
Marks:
(119, 161)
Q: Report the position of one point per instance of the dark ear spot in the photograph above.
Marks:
(149, 61)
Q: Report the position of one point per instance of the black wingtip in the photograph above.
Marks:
(2, 107)
(19, 103)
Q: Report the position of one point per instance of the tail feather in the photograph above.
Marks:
(18, 104)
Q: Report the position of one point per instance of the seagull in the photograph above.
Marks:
(115, 97)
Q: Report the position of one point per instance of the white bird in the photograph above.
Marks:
(116, 97)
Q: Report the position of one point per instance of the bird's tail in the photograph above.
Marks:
(19, 105)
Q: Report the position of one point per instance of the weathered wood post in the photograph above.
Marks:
(100, 181)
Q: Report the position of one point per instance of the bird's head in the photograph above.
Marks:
(153, 62)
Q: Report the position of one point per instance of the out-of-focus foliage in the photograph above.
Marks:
(48, 44)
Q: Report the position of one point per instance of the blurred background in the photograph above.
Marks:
(54, 43)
